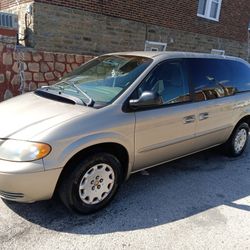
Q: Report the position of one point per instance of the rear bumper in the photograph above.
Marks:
(23, 185)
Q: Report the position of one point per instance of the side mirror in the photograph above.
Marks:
(147, 99)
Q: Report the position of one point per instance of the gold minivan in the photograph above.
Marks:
(116, 115)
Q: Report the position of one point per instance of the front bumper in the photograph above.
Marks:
(27, 181)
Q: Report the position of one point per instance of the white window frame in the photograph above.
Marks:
(208, 10)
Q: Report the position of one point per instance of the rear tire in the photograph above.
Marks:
(237, 142)
(92, 183)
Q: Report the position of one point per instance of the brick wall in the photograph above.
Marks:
(38, 69)
(77, 31)
(178, 14)
(5, 4)
(101, 26)
(8, 35)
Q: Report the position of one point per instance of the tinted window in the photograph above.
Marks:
(240, 75)
(214, 78)
(169, 81)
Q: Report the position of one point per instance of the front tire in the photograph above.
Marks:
(92, 183)
(237, 142)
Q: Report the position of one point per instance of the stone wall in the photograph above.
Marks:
(20, 10)
(23, 70)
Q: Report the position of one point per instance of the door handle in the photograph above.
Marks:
(203, 116)
(189, 119)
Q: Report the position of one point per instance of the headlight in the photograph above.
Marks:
(16, 150)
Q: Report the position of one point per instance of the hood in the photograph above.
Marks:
(25, 116)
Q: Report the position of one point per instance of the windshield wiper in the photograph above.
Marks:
(71, 83)
(53, 93)
(90, 102)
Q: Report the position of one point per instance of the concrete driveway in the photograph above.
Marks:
(198, 202)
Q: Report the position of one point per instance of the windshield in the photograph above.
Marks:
(103, 79)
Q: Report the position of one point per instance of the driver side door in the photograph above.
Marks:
(166, 131)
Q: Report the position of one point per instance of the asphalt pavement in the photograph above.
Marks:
(198, 202)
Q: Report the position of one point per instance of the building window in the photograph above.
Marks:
(8, 20)
(209, 9)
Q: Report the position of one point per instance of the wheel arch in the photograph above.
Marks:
(113, 148)
(245, 119)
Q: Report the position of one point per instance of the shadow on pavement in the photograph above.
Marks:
(169, 193)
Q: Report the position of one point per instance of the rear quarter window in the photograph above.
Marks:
(216, 78)
(239, 75)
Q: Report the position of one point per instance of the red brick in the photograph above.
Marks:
(180, 15)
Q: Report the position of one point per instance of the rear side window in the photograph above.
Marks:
(215, 78)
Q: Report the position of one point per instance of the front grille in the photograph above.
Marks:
(11, 196)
